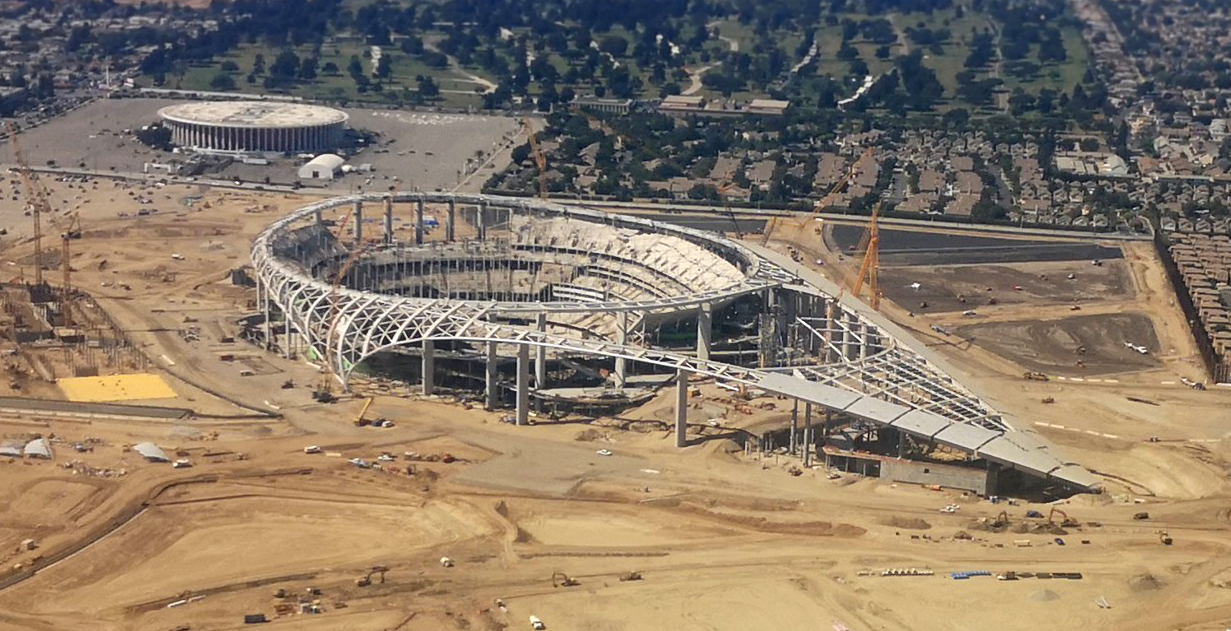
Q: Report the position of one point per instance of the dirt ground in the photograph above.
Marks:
(722, 540)
(1100, 342)
(969, 287)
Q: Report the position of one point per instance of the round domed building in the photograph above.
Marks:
(254, 126)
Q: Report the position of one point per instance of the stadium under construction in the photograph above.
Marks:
(529, 304)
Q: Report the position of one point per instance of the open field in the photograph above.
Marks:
(1054, 346)
(722, 540)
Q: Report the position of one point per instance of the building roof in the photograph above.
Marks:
(152, 452)
(38, 448)
(252, 114)
(330, 161)
(11, 448)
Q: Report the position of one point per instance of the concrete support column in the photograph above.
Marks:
(429, 367)
(808, 441)
(450, 217)
(418, 221)
(848, 337)
(389, 221)
(865, 346)
(621, 364)
(357, 219)
(319, 218)
(263, 293)
(681, 408)
(705, 330)
(523, 384)
(493, 392)
(831, 322)
(286, 336)
(481, 222)
(540, 354)
(793, 443)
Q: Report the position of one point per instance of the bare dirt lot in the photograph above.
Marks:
(1100, 342)
(722, 541)
(962, 287)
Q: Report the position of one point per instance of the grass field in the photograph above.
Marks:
(456, 90)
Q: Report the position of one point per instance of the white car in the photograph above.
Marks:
(312, 449)
(604, 452)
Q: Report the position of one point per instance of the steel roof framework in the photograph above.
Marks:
(889, 386)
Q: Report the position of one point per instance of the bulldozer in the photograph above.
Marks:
(560, 579)
(365, 580)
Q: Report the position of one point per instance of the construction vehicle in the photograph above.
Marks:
(359, 421)
(365, 580)
(560, 579)
(631, 576)
(1001, 521)
(1034, 375)
(1066, 522)
(535, 623)
(1164, 537)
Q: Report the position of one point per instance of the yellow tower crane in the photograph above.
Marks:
(829, 196)
(870, 267)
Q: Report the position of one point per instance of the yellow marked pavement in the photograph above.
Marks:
(116, 388)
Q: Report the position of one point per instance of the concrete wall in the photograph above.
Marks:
(948, 476)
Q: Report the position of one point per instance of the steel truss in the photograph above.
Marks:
(854, 359)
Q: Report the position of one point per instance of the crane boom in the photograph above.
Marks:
(829, 196)
(37, 197)
(870, 267)
(540, 160)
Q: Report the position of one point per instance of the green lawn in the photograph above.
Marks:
(1061, 76)
(342, 86)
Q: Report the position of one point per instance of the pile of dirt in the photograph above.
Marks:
(1144, 583)
(906, 523)
(588, 435)
(1044, 595)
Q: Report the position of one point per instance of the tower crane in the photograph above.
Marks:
(324, 390)
(37, 199)
(829, 196)
(540, 160)
(727, 184)
(870, 267)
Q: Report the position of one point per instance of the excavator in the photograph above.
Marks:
(1066, 522)
(365, 580)
(560, 579)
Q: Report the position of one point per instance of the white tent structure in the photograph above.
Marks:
(151, 452)
(38, 448)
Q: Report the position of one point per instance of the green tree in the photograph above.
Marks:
(222, 81)
(384, 67)
(229, 66)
